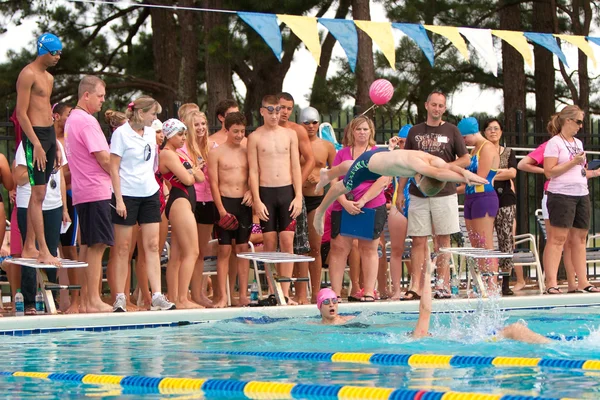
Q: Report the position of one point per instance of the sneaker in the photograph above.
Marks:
(161, 303)
(120, 304)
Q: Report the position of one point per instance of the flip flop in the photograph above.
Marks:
(553, 290)
(591, 289)
(30, 311)
(575, 291)
(367, 299)
(352, 299)
(413, 296)
(442, 294)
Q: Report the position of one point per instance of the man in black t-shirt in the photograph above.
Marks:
(437, 214)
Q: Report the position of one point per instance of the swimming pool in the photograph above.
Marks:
(179, 352)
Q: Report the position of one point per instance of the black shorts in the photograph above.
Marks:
(312, 202)
(69, 238)
(277, 200)
(569, 211)
(243, 214)
(380, 219)
(141, 210)
(206, 213)
(47, 138)
(95, 223)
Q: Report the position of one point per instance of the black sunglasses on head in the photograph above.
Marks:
(270, 109)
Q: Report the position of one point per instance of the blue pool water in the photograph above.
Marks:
(174, 352)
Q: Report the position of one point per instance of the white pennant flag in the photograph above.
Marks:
(482, 40)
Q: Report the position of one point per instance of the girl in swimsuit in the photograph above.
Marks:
(177, 168)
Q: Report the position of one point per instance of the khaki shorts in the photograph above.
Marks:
(433, 214)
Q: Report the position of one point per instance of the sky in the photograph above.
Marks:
(469, 99)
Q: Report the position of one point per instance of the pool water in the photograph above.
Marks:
(177, 352)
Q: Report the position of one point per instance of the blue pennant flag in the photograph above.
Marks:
(266, 26)
(548, 41)
(344, 31)
(417, 33)
(595, 40)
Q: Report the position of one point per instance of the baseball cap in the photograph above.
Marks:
(157, 125)
(309, 114)
(172, 127)
(48, 42)
(323, 295)
(403, 132)
(468, 126)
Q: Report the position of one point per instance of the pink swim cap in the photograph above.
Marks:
(325, 294)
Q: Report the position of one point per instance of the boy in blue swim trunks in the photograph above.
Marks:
(431, 173)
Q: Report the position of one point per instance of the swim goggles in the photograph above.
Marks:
(330, 301)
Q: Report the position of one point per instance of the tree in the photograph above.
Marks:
(544, 75)
(365, 69)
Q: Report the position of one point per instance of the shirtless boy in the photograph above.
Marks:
(324, 153)
(383, 162)
(34, 112)
(276, 182)
(228, 172)
(301, 240)
(223, 109)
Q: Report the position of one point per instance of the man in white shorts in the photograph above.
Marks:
(437, 214)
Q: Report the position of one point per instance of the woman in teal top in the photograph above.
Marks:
(481, 201)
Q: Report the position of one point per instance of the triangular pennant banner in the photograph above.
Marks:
(417, 33)
(548, 41)
(581, 43)
(266, 26)
(482, 40)
(344, 32)
(381, 33)
(306, 29)
(453, 35)
(518, 41)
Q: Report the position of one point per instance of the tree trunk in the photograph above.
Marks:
(365, 69)
(217, 62)
(166, 58)
(319, 88)
(544, 75)
(584, 79)
(188, 71)
(513, 69)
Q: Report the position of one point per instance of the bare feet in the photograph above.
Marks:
(397, 295)
(302, 301)
(519, 286)
(130, 306)
(221, 303)
(30, 252)
(291, 302)
(319, 222)
(243, 302)
(323, 180)
(73, 308)
(47, 258)
(187, 305)
(204, 302)
(101, 307)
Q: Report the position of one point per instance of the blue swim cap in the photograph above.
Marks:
(468, 126)
(47, 43)
(403, 132)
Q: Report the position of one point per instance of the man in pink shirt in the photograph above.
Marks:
(91, 186)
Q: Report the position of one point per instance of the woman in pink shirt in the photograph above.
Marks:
(359, 138)
(568, 197)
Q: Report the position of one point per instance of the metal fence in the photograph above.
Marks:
(529, 187)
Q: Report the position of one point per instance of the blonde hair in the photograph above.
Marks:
(348, 140)
(114, 118)
(141, 104)
(185, 109)
(558, 119)
(194, 148)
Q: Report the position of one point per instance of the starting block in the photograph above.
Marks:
(42, 278)
(271, 259)
(475, 254)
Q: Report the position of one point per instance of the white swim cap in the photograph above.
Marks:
(309, 114)
(172, 127)
(157, 125)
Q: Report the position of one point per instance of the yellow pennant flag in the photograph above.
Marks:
(453, 35)
(381, 33)
(581, 43)
(306, 30)
(518, 41)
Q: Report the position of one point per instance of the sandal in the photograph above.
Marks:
(30, 311)
(591, 289)
(367, 299)
(553, 290)
(413, 296)
(442, 294)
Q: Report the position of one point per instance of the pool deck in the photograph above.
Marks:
(147, 319)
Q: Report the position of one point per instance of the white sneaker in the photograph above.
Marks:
(120, 304)
(161, 303)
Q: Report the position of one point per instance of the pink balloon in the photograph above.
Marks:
(381, 91)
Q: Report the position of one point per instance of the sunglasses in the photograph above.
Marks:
(271, 109)
(330, 301)
(578, 122)
(52, 53)
(147, 152)
(310, 122)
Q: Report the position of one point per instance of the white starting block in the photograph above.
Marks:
(473, 268)
(271, 259)
(42, 277)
